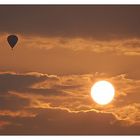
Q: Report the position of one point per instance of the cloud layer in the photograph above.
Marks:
(36, 103)
(125, 46)
(63, 55)
(103, 22)
(62, 51)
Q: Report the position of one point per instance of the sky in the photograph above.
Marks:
(62, 50)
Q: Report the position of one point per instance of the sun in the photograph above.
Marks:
(102, 92)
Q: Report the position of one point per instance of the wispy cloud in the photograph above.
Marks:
(128, 46)
(120, 47)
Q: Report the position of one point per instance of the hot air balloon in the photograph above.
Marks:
(12, 40)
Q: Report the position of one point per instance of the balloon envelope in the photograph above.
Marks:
(12, 40)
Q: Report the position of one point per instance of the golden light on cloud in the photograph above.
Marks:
(45, 87)
(102, 92)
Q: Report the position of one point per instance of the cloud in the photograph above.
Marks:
(129, 113)
(86, 21)
(125, 46)
(23, 82)
(68, 92)
(20, 113)
(3, 124)
(63, 55)
(62, 122)
(12, 102)
(128, 46)
(76, 55)
(12, 82)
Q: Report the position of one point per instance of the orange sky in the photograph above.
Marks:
(62, 51)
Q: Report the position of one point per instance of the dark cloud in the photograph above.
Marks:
(95, 21)
(10, 81)
(61, 122)
(12, 102)
(22, 83)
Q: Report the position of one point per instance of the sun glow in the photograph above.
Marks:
(102, 92)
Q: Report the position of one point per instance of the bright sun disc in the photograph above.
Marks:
(102, 92)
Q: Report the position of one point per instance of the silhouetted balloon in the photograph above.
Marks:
(12, 40)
